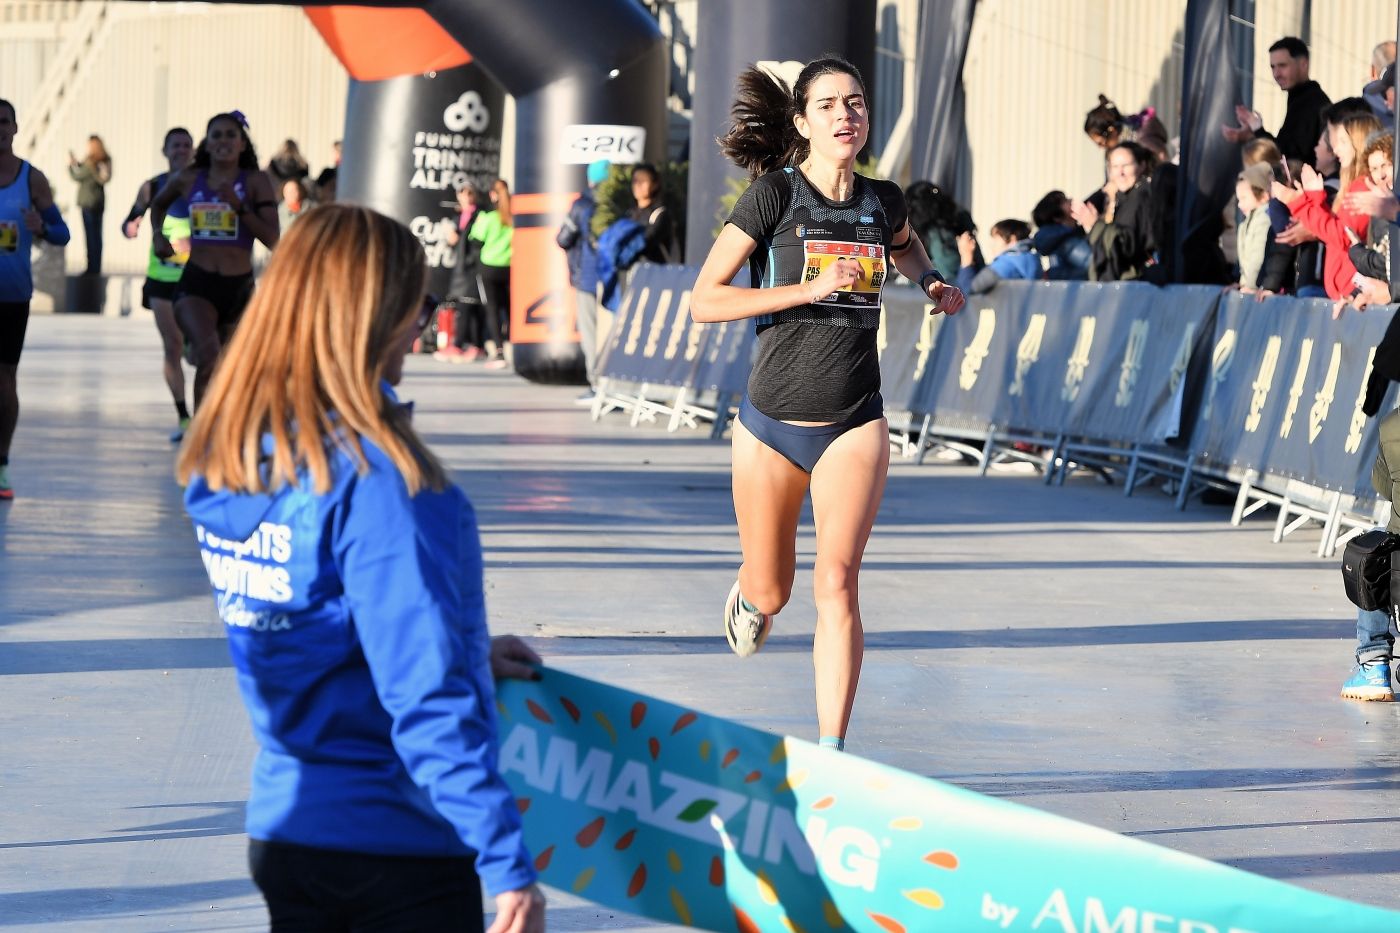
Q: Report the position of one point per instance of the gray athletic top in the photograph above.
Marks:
(817, 362)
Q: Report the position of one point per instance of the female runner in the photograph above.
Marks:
(231, 202)
(818, 238)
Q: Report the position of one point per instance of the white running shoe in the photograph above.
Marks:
(744, 630)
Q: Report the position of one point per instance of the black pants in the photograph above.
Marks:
(321, 891)
(471, 321)
(495, 283)
(92, 234)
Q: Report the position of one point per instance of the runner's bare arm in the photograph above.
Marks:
(260, 213)
(44, 219)
(913, 262)
(714, 299)
(132, 225)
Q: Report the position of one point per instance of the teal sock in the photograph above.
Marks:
(748, 606)
(833, 741)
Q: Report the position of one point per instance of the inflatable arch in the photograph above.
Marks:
(423, 114)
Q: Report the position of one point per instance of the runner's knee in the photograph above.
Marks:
(834, 580)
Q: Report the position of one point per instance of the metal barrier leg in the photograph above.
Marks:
(1242, 499)
(1056, 462)
(1283, 509)
(1184, 492)
(641, 403)
(678, 410)
(988, 444)
(1327, 545)
(600, 397)
(1131, 484)
(923, 439)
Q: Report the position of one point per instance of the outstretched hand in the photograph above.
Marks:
(947, 299)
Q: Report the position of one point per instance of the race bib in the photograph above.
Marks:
(213, 220)
(9, 236)
(864, 293)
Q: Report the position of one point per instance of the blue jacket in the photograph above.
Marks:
(1068, 250)
(357, 625)
(1017, 262)
(619, 246)
(576, 239)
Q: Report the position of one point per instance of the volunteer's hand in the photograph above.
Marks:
(947, 299)
(840, 274)
(511, 657)
(519, 911)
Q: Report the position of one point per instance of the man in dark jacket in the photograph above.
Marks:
(575, 237)
(1303, 122)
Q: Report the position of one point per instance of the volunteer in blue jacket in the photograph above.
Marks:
(347, 570)
(27, 212)
(1015, 258)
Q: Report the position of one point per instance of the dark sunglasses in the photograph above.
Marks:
(425, 313)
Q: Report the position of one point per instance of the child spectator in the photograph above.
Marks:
(1265, 264)
(1011, 240)
(1060, 240)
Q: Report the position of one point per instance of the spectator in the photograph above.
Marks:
(286, 165)
(575, 237)
(295, 202)
(494, 229)
(938, 221)
(1372, 258)
(1123, 234)
(653, 216)
(464, 288)
(92, 175)
(1060, 240)
(1265, 265)
(1289, 62)
(1107, 127)
(1382, 80)
(1011, 239)
(1257, 151)
(326, 181)
(1337, 229)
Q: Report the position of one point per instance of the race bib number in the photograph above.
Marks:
(863, 293)
(213, 220)
(9, 236)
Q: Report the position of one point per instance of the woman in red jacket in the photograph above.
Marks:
(1337, 227)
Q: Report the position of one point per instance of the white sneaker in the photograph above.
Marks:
(744, 630)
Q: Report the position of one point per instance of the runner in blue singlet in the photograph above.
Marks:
(27, 214)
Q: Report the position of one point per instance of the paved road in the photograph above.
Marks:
(1108, 659)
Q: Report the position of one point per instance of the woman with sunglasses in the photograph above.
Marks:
(347, 570)
(231, 204)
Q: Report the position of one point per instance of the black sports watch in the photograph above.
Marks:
(930, 274)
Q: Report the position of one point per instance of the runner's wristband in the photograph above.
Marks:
(930, 274)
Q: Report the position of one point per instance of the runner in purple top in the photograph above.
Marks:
(231, 203)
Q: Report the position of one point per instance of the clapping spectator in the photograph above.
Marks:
(1011, 240)
(92, 174)
(1337, 229)
(1122, 235)
(1372, 258)
(1060, 240)
(1303, 121)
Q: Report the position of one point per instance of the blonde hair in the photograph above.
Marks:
(1358, 129)
(341, 292)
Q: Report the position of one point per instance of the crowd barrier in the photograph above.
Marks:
(1185, 384)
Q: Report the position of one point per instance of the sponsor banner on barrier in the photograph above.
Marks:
(1135, 387)
(654, 340)
(1105, 362)
(1285, 389)
(908, 333)
(661, 811)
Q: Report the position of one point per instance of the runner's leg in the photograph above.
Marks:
(199, 322)
(847, 485)
(768, 494)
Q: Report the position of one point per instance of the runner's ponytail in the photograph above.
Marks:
(762, 137)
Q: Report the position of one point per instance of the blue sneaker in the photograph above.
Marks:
(1370, 681)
